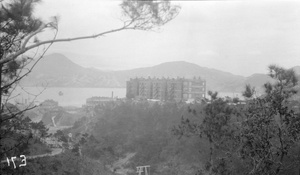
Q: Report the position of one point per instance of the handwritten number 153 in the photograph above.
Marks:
(23, 160)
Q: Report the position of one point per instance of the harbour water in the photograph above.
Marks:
(65, 96)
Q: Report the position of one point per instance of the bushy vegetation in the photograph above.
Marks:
(261, 137)
(145, 129)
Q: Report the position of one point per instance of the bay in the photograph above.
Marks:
(66, 96)
(63, 95)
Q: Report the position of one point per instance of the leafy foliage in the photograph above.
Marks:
(249, 91)
(257, 138)
(144, 129)
(270, 128)
(17, 22)
(213, 123)
(16, 135)
(145, 15)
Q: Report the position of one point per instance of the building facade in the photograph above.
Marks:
(97, 101)
(166, 89)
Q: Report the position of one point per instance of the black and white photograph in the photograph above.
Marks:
(150, 87)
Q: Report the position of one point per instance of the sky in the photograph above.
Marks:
(242, 37)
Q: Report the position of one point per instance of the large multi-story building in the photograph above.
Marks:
(166, 89)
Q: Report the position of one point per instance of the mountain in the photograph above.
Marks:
(216, 80)
(56, 70)
(258, 80)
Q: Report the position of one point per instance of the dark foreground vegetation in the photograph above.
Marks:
(213, 137)
(21, 48)
(260, 136)
(220, 136)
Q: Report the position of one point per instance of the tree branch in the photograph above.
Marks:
(43, 26)
(18, 78)
(9, 115)
(23, 50)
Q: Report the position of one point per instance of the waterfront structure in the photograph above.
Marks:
(166, 89)
(49, 104)
(97, 101)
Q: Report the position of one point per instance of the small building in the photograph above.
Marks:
(97, 101)
(49, 104)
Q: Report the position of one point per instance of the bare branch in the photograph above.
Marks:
(23, 50)
(18, 78)
(10, 115)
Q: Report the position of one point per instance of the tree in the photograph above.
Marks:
(19, 30)
(260, 137)
(235, 100)
(270, 129)
(213, 124)
(213, 95)
(249, 91)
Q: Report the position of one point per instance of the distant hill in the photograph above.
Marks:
(258, 80)
(56, 70)
(216, 80)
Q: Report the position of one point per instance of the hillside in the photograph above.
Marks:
(56, 70)
(216, 80)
